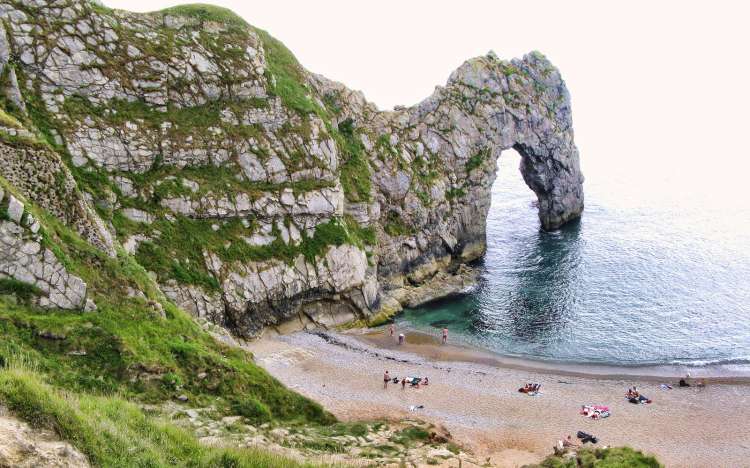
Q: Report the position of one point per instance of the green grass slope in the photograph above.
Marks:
(113, 432)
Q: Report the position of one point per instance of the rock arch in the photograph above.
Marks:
(488, 106)
(406, 192)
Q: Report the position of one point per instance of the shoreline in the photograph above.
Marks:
(478, 403)
(429, 346)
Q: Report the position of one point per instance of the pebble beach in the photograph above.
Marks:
(475, 398)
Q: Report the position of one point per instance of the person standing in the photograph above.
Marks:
(400, 338)
(392, 330)
(403, 384)
(386, 379)
(445, 335)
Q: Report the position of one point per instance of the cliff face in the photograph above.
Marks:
(255, 191)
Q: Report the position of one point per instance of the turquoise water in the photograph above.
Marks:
(648, 276)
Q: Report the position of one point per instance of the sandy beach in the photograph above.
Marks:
(475, 397)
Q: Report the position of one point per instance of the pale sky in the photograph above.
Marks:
(660, 89)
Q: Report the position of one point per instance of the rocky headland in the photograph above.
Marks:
(257, 194)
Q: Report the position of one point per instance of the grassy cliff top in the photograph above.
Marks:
(205, 12)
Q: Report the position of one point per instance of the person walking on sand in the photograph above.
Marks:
(403, 384)
(445, 335)
(391, 330)
(386, 379)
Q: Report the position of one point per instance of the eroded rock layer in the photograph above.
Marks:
(255, 191)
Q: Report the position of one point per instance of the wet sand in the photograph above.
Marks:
(474, 395)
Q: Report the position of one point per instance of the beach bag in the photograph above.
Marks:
(586, 437)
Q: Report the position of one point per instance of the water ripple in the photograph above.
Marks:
(629, 284)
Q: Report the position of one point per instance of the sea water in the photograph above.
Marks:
(648, 276)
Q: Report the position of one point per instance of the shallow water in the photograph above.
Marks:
(648, 276)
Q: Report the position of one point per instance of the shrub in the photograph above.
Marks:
(252, 409)
(615, 457)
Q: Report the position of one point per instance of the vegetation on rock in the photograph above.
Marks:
(614, 457)
(179, 150)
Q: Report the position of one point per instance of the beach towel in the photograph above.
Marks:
(595, 411)
(665, 386)
(416, 407)
(414, 381)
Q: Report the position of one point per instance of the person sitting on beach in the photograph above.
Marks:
(400, 338)
(386, 379)
(684, 382)
(525, 389)
(568, 442)
(426, 381)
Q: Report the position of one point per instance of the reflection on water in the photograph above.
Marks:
(538, 288)
(625, 284)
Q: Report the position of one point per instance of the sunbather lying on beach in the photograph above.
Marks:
(586, 437)
(530, 389)
(595, 411)
(640, 399)
(634, 396)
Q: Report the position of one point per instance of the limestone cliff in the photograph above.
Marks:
(255, 191)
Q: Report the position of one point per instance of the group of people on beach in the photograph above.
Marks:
(412, 381)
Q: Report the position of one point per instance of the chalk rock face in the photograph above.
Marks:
(255, 191)
(25, 259)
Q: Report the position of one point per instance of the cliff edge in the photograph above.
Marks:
(253, 191)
